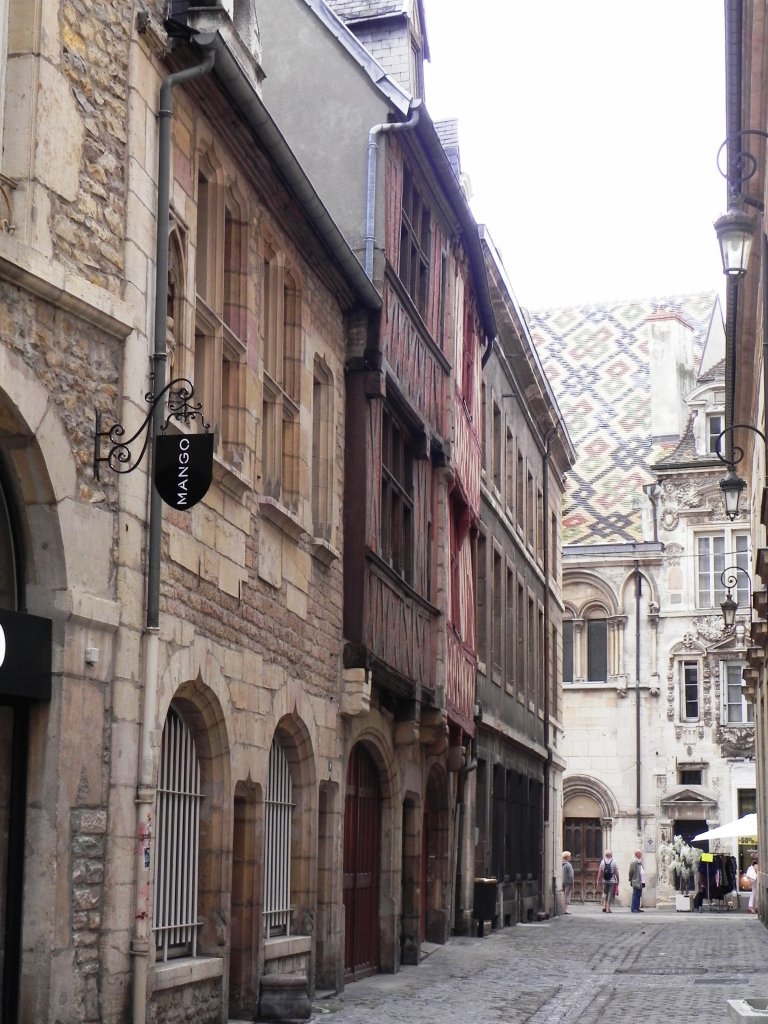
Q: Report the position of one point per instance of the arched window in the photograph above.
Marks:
(277, 844)
(585, 647)
(177, 842)
(597, 647)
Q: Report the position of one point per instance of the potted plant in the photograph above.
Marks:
(683, 859)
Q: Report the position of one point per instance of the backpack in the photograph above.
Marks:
(608, 871)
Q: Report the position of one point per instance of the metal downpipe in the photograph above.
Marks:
(370, 192)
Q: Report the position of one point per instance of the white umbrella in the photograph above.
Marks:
(746, 826)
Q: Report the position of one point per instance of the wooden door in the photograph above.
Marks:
(362, 844)
(584, 838)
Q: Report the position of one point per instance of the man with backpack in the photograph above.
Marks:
(607, 880)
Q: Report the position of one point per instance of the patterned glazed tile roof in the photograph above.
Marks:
(597, 359)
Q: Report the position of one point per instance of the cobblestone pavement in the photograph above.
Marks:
(588, 967)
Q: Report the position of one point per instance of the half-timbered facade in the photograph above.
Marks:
(413, 444)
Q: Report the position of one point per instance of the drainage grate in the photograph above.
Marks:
(660, 971)
(721, 980)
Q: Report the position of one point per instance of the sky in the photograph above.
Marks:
(589, 132)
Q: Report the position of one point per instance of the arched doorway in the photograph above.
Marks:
(583, 837)
(362, 865)
(588, 812)
(25, 676)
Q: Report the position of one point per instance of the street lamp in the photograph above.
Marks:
(732, 484)
(734, 233)
(730, 580)
(735, 230)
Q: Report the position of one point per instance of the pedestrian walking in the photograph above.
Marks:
(567, 880)
(751, 874)
(636, 877)
(607, 880)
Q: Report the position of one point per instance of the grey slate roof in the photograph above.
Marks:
(357, 10)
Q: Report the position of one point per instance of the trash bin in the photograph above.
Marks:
(484, 903)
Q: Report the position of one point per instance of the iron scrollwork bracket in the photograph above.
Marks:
(119, 457)
(735, 453)
(741, 165)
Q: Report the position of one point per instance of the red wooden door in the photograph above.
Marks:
(583, 837)
(423, 882)
(362, 842)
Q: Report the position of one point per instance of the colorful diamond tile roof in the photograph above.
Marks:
(597, 359)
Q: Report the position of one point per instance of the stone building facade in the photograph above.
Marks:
(659, 739)
(526, 455)
(744, 159)
(172, 793)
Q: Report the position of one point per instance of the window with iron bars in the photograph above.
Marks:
(277, 844)
(177, 842)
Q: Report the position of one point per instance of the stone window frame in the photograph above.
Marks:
(197, 708)
(716, 563)
(217, 362)
(300, 830)
(177, 841)
(278, 821)
(576, 621)
(323, 444)
(282, 337)
(746, 708)
(684, 688)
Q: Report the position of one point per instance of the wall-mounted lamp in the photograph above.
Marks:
(735, 230)
(729, 606)
(732, 484)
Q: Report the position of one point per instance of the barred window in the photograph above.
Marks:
(277, 844)
(177, 842)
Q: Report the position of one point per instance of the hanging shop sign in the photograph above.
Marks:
(25, 655)
(183, 468)
(183, 462)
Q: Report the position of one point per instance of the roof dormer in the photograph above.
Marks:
(394, 33)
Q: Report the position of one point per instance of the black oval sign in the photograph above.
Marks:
(183, 468)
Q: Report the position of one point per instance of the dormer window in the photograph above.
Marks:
(715, 425)
(417, 70)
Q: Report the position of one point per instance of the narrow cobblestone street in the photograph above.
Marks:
(585, 967)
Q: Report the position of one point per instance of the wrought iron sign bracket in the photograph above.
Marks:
(741, 166)
(119, 456)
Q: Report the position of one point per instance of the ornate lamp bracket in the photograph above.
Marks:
(119, 456)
